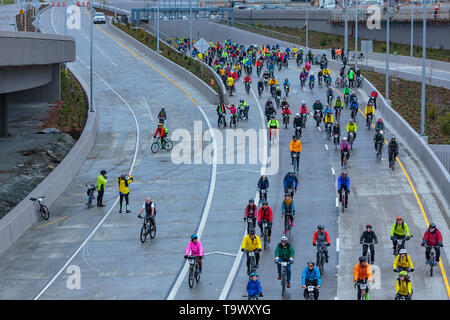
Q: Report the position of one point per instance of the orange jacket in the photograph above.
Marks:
(362, 273)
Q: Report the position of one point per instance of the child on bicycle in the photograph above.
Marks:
(254, 286)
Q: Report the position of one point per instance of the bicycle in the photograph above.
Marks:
(321, 257)
(310, 292)
(252, 264)
(339, 82)
(262, 195)
(379, 149)
(319, 81)
(336, 141)
(284, 265)
(194, 274)
(432, 262)
(265, 235)
(290, 191)
(354, 113)
(401, 241)
(362, 288)
(302, 83)
(351, 139)
(148, 228)
(90, 193)
(298, 132)
(392, 160)
(317, 117)
(233, 120)
(158, 145)
(330, 99)
(328, 81)
(328, 130)
(260, 91)
(311, 85)
(285, 120)
(295, 161)
(286, 90)
(346, 98)
(43, 210)
(277, 100)
(250, 223)
(344, 195)
(345, 159)
(247, 87)
(303, 118)
(369, 119)
(368, 255)
(287, 223)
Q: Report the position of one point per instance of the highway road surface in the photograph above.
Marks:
(208, 198)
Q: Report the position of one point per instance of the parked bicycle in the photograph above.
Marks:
(90, 193)
(43, 210)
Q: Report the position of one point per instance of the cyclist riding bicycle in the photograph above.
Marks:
(162, 116)
(398, 231)
(297, 122)
(295, 146)
(338, 104)
(344, 185)
(347, 93)
(272, 125)
(345, 149)
(321, 237)
(260, 85)
(392, 151)
(378, 139)
(336, 130)
(162, 131)
(251, 243)
(403, 286)
(195, 248)
(286, 83)
(351, 127)
(150, 211)
(263, 183)
(290, 181)
(354, 106)
(243, 105)
(330, 94)
(311, 277)
(369, 110)
(368, 238)
(403, 262)
(251, 212)
(379, 125)
(284, 252)
(254, 286)
(287, 207)
(328, 120)
(432, 238)
(265, 213)
(327, 110)
(362, 273)
(284, 104)
(318, 109)
(326, 72)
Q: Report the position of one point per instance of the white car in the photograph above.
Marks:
(99, 17)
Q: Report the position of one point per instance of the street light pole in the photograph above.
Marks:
(356, 37)
(412, 27)
(424, 50)
(91, 107)
(190, 22)
(387, 51)
(307, 28)
(65, 28)
(345, 28)
(157, 27)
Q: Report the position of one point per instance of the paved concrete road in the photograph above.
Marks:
(8, 17)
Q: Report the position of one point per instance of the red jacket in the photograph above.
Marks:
(266, 216)
(161, 132)
(432, 238)
(326, 236)
(286, 111)
(374, 94)
(247, 209)
(258, 63)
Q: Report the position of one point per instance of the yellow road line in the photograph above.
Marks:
(444, 275)
(49, 223)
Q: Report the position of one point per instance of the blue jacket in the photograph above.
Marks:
(289, 181)
(354, 105)
(327, 110)
(345, 182)
(254, 288)
(314, 274)
(284, 207)
(263, 186)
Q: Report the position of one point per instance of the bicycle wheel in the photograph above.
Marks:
(45, 214)
(197, 274)
(191, 277)
(155, 147)
(168, 145)
(152, 230)
(343, 201)
(321, 263)
(283, 285)
(143, 233)
(287, 225)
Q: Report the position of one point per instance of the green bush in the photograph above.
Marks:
(323, 42)
(445, 124)
(433, 111)
(259, 24)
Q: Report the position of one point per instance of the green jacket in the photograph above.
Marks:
(101, 181)
(347, 91)
(284, 252)
(400, 230)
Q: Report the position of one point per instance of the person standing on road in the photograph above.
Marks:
(284, 252)
(311, 277)
(101, 184)
(124, 181)
(333, 53)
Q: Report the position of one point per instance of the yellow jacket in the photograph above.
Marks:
(295, 146)
(403, 287)
(237, 67)
(123, 184)
(273, 81)
(251, 245)
(328, 118)
(230, 81)
(403, 262)
(351, 128)
(222, 72)
(369, 109)
(326, 71)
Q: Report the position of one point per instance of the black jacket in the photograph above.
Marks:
(393, 147)
(368, 237)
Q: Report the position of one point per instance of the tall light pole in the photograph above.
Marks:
(157, 27)
(307, 27)
(356, 36)
(190, 22)
(91, 22)
(424, 50)
(345, 28)
(412, 27)
(65, 28)
(387, 51)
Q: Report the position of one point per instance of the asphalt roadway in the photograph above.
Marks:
(209, 199)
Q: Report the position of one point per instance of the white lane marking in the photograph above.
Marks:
(337, 244)
(239, 254)
(115, 202)
(205, 213)
(319, 128)
(228, 171)
(332, 170)
(326, 146)
(220, 252)
(337, 202)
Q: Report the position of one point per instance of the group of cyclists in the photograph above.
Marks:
(229, 60)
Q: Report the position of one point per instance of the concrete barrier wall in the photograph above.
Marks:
(199, 84)
(25, 214)
(412, 61)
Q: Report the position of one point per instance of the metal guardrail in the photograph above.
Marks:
(443, 153)
(402, 15)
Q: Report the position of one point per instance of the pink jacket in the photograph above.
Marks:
(304, 109)
(348, 146)
(232, 109)
(195, 248)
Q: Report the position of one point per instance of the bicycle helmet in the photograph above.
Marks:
(194, 236)
(251, 231)
(294, 137)
(432, 225)
(402, 251)
(351, 120)
(265, 203)
(254, 274)
(103, 172)
(338, 98)
(297, 114)
(393, 139)
(362, 259)
(303, 102)
(380, 120)
(403, 273)
(283, 238)
(320, 227)
(251, 201)
(344, 138)
(310, 262)
(399, 218)
(369, 226)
